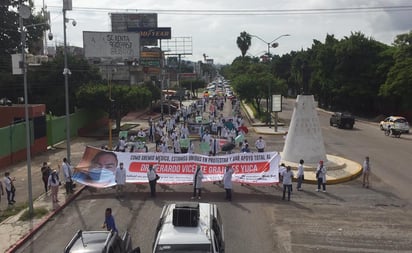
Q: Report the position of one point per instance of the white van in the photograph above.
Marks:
(189, 227)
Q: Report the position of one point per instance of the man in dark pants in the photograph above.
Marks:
(152, 177)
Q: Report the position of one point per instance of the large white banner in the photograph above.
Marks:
(97, 168)
(111, 45)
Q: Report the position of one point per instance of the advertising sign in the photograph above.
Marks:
(150, 63)
(149, 54)
(158, 33)
(122, 22)
(276, 103)
(111, 45)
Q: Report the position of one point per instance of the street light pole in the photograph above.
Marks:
(23, 11)
(269, 102)
(66, 73)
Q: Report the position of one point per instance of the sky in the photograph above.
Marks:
(214, 25)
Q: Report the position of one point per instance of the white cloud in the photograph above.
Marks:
(215, 35)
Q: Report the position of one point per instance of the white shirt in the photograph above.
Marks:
(366, 166)
(120, 176)
(151, 174)
(7, 183)
(67, 172)
(300, 170)
(260, 144)
(287, 177)
(227, 178)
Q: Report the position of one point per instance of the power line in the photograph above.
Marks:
(251, 12)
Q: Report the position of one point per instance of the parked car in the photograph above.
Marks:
(100, 242)
(395, 122)
(342, 120)
(189, 227)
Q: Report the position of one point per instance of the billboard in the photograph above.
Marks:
(111, 45)
(123, 22)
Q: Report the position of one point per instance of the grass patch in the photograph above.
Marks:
(126, 127)
(37, 213)
(11, 210)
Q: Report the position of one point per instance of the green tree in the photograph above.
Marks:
(397, 87)
(46, 82)
(193, 85)
(10, 42)
(243, 42)
(126, 98)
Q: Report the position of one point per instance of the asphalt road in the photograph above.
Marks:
(347, 218)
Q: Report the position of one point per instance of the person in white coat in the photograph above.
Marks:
(321, 176)
(197, 182)
(67, 174)
(227, 182)
(120, 178)
(287, 176)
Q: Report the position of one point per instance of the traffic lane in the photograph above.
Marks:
(347, 218)
(257, 220)
(139, 214)
(389, 156)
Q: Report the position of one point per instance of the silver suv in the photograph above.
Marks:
(100, 242)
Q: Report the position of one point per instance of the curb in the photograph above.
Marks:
(33, 231)
(266, 133)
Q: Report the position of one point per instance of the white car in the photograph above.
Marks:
(189, 227)
(395, 122)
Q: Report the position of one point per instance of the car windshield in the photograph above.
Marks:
(187, 248)
(400, 121)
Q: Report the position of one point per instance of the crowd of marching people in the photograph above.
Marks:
(203, 120)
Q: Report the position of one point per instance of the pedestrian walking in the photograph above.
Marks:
(53, 183)
(67, 174)
(227, 182)
(321, 176)
(109, 222)
(300, 175)
(152, 177)
(260, 144)
(287, 176)
(45, 173)
(120, 178)
(366, 169)
(197, 182)
(10, 188)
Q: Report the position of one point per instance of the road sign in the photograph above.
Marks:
(276, 103)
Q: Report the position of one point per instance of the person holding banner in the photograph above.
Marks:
(152, 177)
(197, 182)
(120, 178)
(260, 144)
(227, 182)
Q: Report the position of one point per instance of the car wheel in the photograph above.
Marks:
(330, 123)
(381, 127)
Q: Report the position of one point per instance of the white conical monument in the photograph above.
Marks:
(304, 139)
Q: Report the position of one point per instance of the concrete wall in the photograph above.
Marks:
(13, 137)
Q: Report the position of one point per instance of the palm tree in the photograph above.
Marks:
(243, 42)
